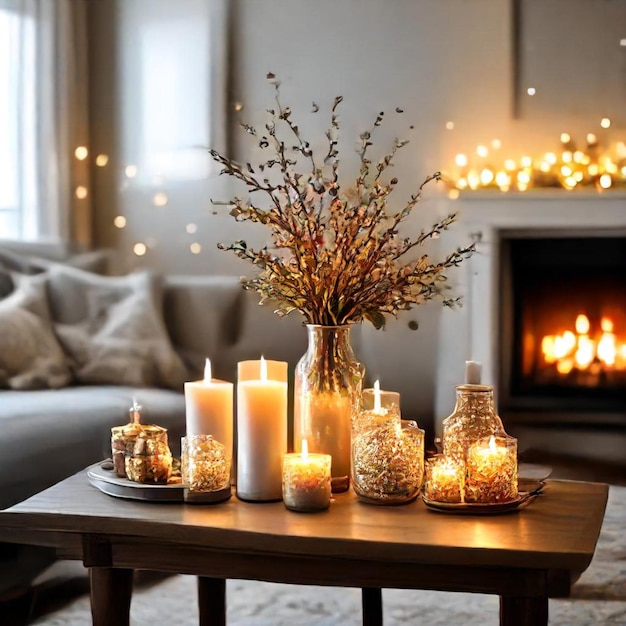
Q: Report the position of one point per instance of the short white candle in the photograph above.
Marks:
(209, 408)
(473, 372)
(261, 436)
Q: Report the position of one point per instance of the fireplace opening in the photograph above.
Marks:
(563, 326)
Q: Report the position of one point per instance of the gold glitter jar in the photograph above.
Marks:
(387, 452)
(151, 459)
(491, 470)
(205, 469)
(444, 480)
(474, 417)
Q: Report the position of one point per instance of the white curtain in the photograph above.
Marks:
(43, 118)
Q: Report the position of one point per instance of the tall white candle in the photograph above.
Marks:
(261, 436)
(209, 408)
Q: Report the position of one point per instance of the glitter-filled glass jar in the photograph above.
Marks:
(205, 469)
(387, 453)
(474, 417)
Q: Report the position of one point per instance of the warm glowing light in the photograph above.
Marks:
(461, 160)
(482, 151)
(486, 176)
(565, 137)
(567, 157)
(606, 324)
(81, 192)
(527, 161)
(207, 371)
(473, 180)
(585, 353)
(579, 156)
(130, 171)
(195, 248)
(377, 404)
(550, 157)
(566, 170)
(449, 125)
(531, 91)
(593, 169)
(462, 183)
(81, 153)
(140, 249)
(607, 349)
(582, 324)
(523, 177)
(102, 160)
(191, 228)
(591, 139)
(565, 366)
(578, 176)
(544, 166)
(238, 106)
(305, 450)
(159, 199)
(606, 181)
(453, 194)
(570, 182)
(119, 221)
(496, 144)
(510, 165)
(605, 122)
(503, 179)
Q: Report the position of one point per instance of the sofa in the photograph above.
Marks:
(134, 337)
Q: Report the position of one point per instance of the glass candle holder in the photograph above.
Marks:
(150, 460)
(122, 443)
(306, 481)
(474, 417)
(444, 480)
(491, 471)
(205, 469)
(387, 458)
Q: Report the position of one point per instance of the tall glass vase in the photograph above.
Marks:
(327, 392)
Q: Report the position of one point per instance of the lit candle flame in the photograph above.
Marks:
(207, 370)
(377, 405)
(263, 374)
(492, 445)
(305, 449)
(582, 324)
(135, 411)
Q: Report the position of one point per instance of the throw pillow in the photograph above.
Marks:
(112, 328)
(30, 355)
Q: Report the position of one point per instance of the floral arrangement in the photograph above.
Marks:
(337, 255)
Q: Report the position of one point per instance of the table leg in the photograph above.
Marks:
(212, 601)
(372, 606)
(111, 592)
(523, 611)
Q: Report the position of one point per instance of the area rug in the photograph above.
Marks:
(598, 598)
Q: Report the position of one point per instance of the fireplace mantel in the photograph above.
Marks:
(471, 332)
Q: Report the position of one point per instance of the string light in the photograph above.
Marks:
(449, 125)
(531, 91)
(102, 160)
(81, 153)
(195, 248)
(81, 192)
(605, 122)
(159, 199)
(119, 221)
(130, 171)
(140, 249)
(191, 228)
(572, 168)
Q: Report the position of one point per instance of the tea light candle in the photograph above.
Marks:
(306, 480)
(492, 470)
(261, 436)
(209, 408)
(445, 480)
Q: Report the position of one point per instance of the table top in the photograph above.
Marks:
(558, 530)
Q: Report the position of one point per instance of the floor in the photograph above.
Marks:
(67, 580)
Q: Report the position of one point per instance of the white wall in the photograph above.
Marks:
(440, 60)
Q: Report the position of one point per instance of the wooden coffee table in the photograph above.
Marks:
(524, 557)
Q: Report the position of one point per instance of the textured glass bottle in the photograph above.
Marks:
(327, 390)
(474, 417)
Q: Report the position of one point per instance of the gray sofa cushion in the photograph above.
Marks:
(50, 434)
(112, 328)
(30, 355)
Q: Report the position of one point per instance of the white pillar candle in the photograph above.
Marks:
(209, 408)
(261, 436)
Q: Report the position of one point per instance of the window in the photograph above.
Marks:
(18, 168)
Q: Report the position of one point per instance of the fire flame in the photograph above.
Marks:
(580, 350)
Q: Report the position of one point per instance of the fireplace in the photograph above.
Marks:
(543, 259)
(562, 313)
